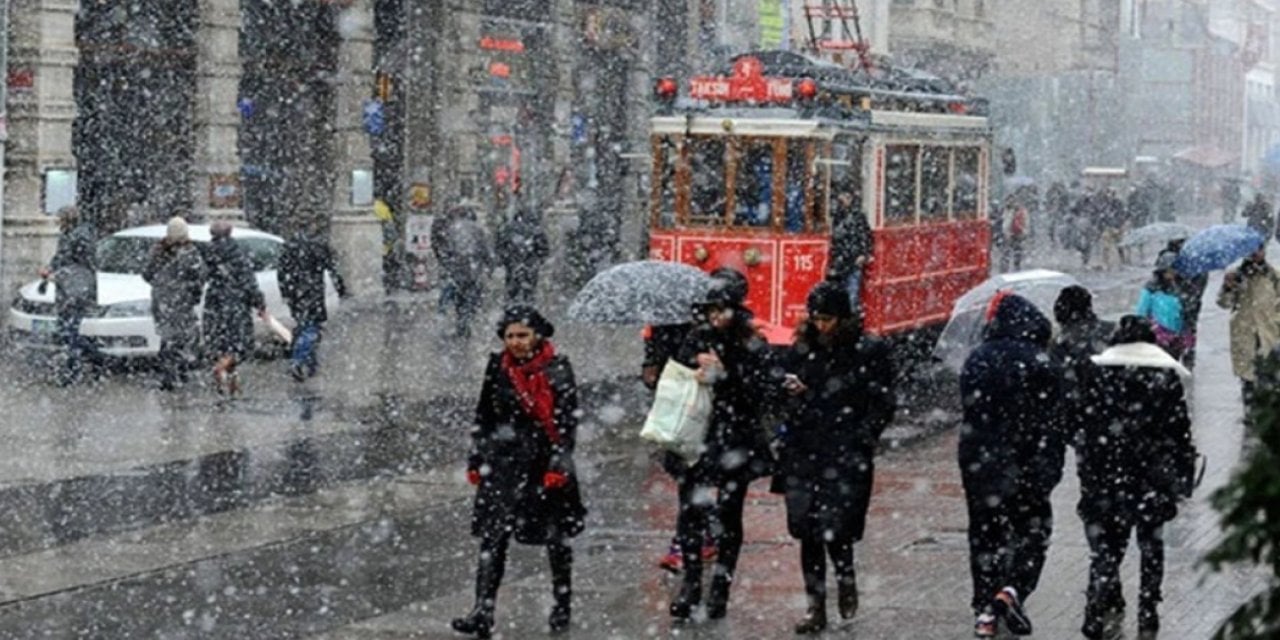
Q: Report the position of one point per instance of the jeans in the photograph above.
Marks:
(853, 284)
(78, 347)
(305, 344)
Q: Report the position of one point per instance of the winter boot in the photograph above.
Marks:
(815, 620)
(847, 596)
(562, 589)
(478, 623)
(1094, 621)
(687, 600)
(1148, 619)
(718, 599)
(1007, 607)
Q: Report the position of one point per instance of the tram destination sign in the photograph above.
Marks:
(747, 84)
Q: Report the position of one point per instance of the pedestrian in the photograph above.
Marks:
(1190, 290)
(1017, 221)
(176, 272)
(1160, 303)
(1058, 203)
(1112, 223)
(1252, 294)
(851, 243)
(732, 358)
(521, 463)
(840, 382)
(1011, 457)
(74, 271)
(1085, 215)
(1259, 215)
(229, 303)
(1081, 335)
(463, 254)
(1135, 459)
(522, 247)
(304, 261)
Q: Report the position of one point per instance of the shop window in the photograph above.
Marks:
(900, 184)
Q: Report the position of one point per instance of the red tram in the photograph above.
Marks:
(743, 167)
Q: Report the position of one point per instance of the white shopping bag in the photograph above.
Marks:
(680, 413)
(278, 328)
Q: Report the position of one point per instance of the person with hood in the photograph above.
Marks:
(521, 463)
(522, 247)
(305, 259)
(1160, 303)
(176, 272)
(229, 303)
(1191, 292)
(841, 399)
(731, 357)
(463, 254)
(74, 271)
(1135, 460)
(1081, 335)
(1011, 457)
(1252, 294)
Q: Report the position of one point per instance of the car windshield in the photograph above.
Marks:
(128, 254)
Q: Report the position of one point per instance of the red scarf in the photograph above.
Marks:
(533, 387)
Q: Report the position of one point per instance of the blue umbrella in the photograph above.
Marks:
(1216, 248)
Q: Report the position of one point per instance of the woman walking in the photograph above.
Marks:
(522, 464)
(1161, 304)
(176, 273)
(839, 382)
(1135, 460)
(730, 357)
(229, 303)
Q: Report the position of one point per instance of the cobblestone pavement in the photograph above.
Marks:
(913, 571)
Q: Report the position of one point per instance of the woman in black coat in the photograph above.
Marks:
(1136, 459)
(732, 358)
(522, 464)
(229, 303)
(840, 384)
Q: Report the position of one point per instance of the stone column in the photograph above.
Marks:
(356, 234)
(216, 190)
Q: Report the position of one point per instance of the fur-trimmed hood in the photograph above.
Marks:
(1139, 354)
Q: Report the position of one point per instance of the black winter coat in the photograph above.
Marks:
(230, 300)
(1010, 441)
(737, 447)
(522, 246)
(850, 239)
(176, 273)
(826, 460)
(75, 270)
(1135, 458)
(1076, 343)
(513, 452)
(303, 263)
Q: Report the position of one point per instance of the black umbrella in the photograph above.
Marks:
(648, 292)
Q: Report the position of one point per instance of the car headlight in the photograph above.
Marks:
(133, 309)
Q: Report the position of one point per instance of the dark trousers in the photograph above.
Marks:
(493, 563)
(813, 564)
(1107, 544)
(177, 356)
(305, 345)
(721, 515)
(1008, 541)
(522, 286)
(79, 348)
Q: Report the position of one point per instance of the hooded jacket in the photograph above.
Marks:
(1010, 391)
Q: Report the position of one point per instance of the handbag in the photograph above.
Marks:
(681, 412)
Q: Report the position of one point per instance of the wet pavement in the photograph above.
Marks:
(337, 508)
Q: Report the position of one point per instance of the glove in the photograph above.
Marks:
(554, 480)
(473, 476)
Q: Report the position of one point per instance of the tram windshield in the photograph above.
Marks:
(767, 183)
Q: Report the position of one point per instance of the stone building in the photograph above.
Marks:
(954, 39)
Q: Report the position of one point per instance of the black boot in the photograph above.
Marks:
(690, 595)
(478, 623)
(815, 620)
(1148, 619)
(559, 618)
(1094, 623)
(561, 557)
(847, 596)
(718, 599)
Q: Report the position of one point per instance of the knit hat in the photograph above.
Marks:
(529, 317)
(829, 299)
(177, 230)
(728, 288)
(1074, 304)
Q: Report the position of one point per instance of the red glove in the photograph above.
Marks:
(473, 476)
(554, 480)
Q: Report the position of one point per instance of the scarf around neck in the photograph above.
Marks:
(533, 387)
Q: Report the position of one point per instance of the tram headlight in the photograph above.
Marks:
(665, 89)
(751, 256)
(701, 254)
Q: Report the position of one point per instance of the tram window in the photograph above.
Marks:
(966, 184)
(753, 184)
(900, 184)
(935, 177)
(799, 199)
(707, 184)
(666, 155)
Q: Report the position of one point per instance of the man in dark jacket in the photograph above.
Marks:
(229, 303)
(176, 272)
(462, 250)
(303, 263)
(1082, 336)
(522, 247)
(851, 244)
(74, 270)
(1011, 457)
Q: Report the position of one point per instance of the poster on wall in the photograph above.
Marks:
(417, 233)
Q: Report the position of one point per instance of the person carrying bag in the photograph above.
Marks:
(680, 413)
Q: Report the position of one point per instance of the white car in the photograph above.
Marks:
(121, 323)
